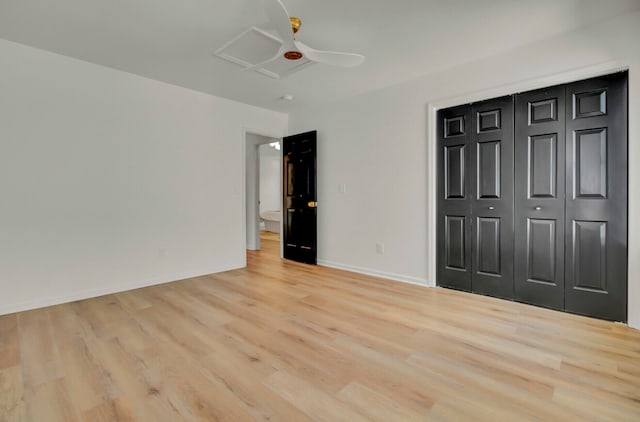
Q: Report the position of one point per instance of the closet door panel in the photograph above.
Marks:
(492, 197)
(542, 251)
(596, 200)
(590, 163)
(539, 197)
(454, 218)
(488, 247)
(489, 176)
(454, 172)
(455, 241)
(542, 166)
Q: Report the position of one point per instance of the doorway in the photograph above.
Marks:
(263, 175)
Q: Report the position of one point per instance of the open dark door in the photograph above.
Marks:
(299, 197)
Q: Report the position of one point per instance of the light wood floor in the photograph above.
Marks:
(289, 342)
(267, 235)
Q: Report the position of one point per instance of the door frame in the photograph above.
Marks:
(633, 292)
(245, 145)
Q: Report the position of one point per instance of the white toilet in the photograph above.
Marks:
(271, 220)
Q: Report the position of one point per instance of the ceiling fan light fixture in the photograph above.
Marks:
(293, 55)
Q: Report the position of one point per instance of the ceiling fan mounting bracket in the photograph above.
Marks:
(295, 24)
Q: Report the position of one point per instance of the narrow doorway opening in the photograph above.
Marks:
(263, 193)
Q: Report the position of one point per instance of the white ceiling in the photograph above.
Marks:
(173, 40)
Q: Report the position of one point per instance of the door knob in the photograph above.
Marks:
(492, 208)
(312, 204)
(538, 208)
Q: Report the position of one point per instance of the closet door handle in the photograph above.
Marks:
(492, 208)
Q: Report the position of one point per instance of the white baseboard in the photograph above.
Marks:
(123, 287)
(375, 273)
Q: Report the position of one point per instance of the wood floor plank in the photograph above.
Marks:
(9, 343)
(490, 364)
(84, 373)
(12, 406)
(114, 410)
(284, 341)
(315, 403)
(50, 401)
(142, 388)
(39, 355)
(133, 300)
(285, 354)
(591, 407)
(391, 376)
(201, 397)
(376, 406)
(258, 400)
(507, 395)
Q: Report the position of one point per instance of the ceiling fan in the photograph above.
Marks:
(286, 27)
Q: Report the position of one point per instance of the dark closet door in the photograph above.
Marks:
(558, 237)
(492, 197)
(299, 188)
(596, 200)
(454, 192)
(539, 197)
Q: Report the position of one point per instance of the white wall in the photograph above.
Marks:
(381, 146)
(110, 181)
(270, 183)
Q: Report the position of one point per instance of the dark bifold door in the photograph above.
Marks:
(532, 197)
(596, 198)
(299, 197)
(454, 192)
(492, 197)
(539, 197)
(475, 197)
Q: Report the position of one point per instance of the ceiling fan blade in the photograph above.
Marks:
(333, 58)
(279, 18)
